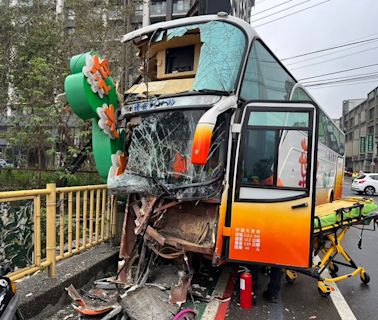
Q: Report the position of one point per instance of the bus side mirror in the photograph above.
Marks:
(202, 143)
(204, 130)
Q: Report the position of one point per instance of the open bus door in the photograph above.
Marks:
(272, 209)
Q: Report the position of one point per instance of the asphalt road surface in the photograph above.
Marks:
(301, 300)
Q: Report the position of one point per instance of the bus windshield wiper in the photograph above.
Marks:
(214, 91)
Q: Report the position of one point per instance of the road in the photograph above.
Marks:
(301, 300)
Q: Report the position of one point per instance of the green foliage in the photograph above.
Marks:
(16, 233)
(16, 179)
(36, 47)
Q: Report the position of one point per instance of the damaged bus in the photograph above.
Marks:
(220, 151)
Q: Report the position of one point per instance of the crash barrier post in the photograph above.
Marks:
(76, 218)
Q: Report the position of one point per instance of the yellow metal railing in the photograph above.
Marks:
(67, 216)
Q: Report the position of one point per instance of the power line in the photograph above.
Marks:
(343, 84)
(335, 72)
(330, 48)
(329, 53)
(354, 79)
(335, 58)
(260, 2)
(276, 6)
(341, 78)
(290, 14)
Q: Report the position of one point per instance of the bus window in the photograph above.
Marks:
(259, 157)
(279, 118)
(275, 150)
(300, 95)
(265, 78)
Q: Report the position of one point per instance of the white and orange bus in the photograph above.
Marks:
(227, 155)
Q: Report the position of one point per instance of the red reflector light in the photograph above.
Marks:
(361, 181)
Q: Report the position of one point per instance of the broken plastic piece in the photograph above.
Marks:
(75, 296)
(90, 311)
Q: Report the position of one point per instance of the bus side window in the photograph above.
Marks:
(274, 152)
(265, 78)
(259, 157)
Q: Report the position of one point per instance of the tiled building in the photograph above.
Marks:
(360, 124)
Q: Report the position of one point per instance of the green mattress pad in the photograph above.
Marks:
(335, 217)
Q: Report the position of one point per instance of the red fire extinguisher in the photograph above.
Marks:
(246, 289)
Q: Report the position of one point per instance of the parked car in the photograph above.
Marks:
(5, 164)
(348, 173)
(366, 183)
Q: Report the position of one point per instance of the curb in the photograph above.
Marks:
(39, 292)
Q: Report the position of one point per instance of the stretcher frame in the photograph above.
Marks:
(328, 242)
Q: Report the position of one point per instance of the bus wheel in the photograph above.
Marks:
(369, 191)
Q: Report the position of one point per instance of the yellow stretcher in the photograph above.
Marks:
(332, 222)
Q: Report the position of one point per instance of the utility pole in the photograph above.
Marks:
(169, 13)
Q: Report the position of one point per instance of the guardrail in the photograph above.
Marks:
(85, 213)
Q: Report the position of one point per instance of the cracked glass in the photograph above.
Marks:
(159, 157)
(221, 52)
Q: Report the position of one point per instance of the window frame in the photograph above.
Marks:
(242, 144)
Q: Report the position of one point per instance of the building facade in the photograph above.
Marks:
(360, 125)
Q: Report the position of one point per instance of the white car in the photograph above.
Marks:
(366, 183)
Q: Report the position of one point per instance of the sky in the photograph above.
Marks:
(325, 24)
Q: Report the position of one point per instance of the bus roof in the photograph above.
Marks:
(247, 28)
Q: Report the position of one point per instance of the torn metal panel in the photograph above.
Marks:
(179, 292)
(171, 86)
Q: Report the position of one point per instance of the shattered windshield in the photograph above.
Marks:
(200, 57)
(159, 156)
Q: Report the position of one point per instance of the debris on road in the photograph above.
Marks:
(98, 304)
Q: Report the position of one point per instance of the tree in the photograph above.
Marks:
(42, 43)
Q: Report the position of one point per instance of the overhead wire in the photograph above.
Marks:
(328, 60)
(330, 48)
(290, 14)
(341, 78)
(340, 71)
(342, 84)
(352, 79)
(353, 46)
(276, 6)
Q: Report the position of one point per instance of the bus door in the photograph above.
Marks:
(339, 178)
(271, 216)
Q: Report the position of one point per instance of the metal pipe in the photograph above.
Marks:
(103, 214)
(37, 230)
(69, 222)
(23, 193)
(77, 216)
(51, 228)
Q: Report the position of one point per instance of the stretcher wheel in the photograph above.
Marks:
(364, 276)
(324, 294)
(324, 289)
(333, 267)
(290, 276)
(288, 279)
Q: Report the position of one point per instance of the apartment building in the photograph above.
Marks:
(360, 125)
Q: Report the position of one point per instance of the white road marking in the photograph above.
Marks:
(212, 307)
(337, 298)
